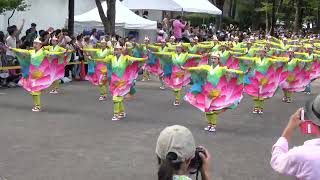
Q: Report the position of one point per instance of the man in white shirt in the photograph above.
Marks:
(18, 31)
(302, 162)
(93, 37)
(11, 41)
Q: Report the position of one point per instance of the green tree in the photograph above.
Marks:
(255, 14)
(220, 5)
(273, 16)
(266, 9)
(232, 8)
(12, 5)
(267, 13)
(313, 13)
(298, 16)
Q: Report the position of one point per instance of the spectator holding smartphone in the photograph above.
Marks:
(178, 156)
(302, 162)
(178, 26)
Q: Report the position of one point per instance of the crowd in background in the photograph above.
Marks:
(179, 28)
(11, 39)
(170, 162)
(182, 30)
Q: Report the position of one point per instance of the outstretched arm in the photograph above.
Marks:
(90, 53)
(200, 70)
(205, 47)
(52, 55)
(194, 56)
(21, 27)
(22, 53)
(163, 55)
(237, 53)
(153, 48)
(107, 59)
(132, 59)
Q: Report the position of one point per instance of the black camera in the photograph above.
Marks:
(196, 162)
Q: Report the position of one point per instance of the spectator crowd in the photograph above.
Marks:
(175, 149)
(14, 38)
(177, 29)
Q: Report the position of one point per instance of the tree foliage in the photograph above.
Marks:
(13, 5)
(265, 14)
(266, 8)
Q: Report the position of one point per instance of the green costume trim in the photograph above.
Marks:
(56, 85)
(258, 103)
(121, 107)
(132, 90)
(102, 90)
(37, 57)
(287, 94)
(177, 94)
(117, 104)
(36, 98)
(212, 117)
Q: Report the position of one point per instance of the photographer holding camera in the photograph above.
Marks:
(302, 162)
(178, 156)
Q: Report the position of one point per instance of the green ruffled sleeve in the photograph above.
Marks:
(37, 57)
(215, 75)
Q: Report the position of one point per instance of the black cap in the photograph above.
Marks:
(33, 24)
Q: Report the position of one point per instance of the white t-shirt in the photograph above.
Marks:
(181, 177)
(93, 40)
(11, 42)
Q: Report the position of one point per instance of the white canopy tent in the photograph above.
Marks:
(199, 6)
(126, 20)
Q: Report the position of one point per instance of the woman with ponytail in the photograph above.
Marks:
(176, 153)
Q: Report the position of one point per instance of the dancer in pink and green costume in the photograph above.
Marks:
(124, 71)
(154, 65)
(40, 69)
(175, 76)
(295, 78)
(263, 79)
(56, 48)
(98, 71)
(215, 90)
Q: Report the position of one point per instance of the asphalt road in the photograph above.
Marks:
(75, 139)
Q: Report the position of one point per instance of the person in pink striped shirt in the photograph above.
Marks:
(177, 27)
(301, 162)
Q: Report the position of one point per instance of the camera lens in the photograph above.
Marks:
(196, 162)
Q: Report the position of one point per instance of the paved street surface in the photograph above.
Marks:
(75, 139)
